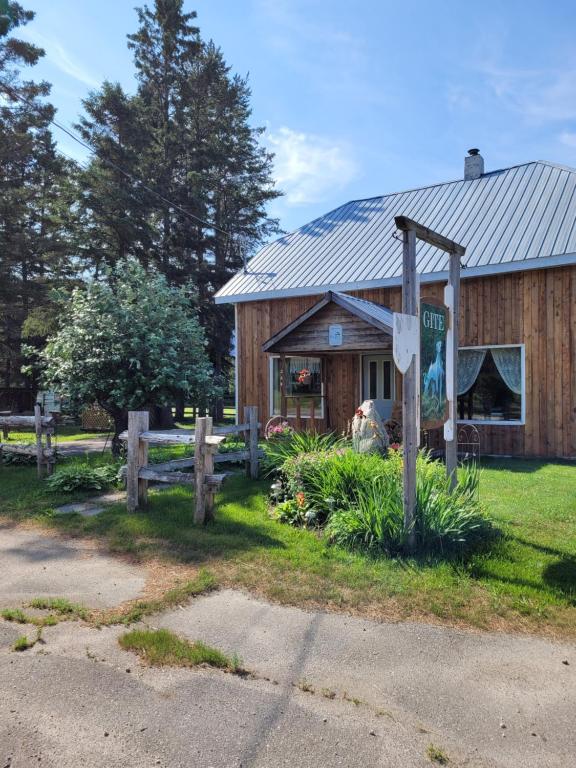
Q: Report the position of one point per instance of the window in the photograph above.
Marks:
(303, 382)
(491, 384)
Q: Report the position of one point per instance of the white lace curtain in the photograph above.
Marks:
(509, 363)
(296, 364)
(469, 364)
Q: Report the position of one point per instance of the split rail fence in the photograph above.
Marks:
(206, 440)
(43, 450)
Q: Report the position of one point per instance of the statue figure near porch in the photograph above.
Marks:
(368, 431)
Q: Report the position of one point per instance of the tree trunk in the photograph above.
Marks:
(120, 424)
(180, 405)
(161, 417)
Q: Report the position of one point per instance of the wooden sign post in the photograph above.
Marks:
(407, 357)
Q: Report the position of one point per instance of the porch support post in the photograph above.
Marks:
(283, 402)
(452, 356)
(410, 391)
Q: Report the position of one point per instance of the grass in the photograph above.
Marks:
(526, 582)
(160, 647)
(436, 755)
(63, 434)
(203, 582)
(16, 615)
(61, 606)
(22, 643)
(62, 609)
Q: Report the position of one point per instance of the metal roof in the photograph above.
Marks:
(522, 217)
(381, 314)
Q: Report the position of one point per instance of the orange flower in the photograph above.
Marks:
(300, 499)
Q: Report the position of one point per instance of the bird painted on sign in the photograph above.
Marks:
(434, 376)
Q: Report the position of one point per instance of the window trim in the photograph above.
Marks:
(319, 415)
(508, 423)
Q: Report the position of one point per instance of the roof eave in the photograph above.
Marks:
(487, 270)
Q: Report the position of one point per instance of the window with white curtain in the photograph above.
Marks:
(491, 384)
(303, 381)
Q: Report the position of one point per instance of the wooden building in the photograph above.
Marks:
(314, 308)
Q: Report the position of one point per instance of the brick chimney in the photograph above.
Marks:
(473, 165)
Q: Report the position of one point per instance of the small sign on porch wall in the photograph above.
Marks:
(335, 335)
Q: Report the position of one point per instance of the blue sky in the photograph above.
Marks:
(359, 99)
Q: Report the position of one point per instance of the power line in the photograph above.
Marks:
(14, 94)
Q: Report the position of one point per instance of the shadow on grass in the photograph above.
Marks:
(556, 579)
(540, 547)
(561, 576)
(513, 465)
(166, 527)
(523, 466)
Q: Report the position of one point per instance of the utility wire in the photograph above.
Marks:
(14, 94)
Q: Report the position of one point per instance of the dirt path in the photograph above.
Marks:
(329, 690)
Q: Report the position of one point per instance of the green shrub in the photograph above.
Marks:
(446, 521)
(279, 449)
(82, 477)
(290, 512)
(332, 480)
(18, 459)
(359, 499)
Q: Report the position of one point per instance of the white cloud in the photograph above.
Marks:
(57, 55)
(308, 166)
(544, 95)
(568, 138)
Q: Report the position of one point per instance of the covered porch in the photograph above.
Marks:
(327, 361)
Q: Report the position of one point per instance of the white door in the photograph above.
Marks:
(378, 382)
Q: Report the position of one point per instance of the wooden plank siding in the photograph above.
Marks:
(536, 308)
(312, 337)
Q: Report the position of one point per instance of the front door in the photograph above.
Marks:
(378, 382)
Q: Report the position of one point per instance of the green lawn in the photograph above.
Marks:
(526, 582)
(63, 434)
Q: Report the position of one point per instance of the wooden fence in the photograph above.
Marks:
(206, 440)
(43, 427)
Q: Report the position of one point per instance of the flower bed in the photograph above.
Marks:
(356, 499)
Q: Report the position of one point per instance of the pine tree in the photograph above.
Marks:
(186, 133)
(35, 197)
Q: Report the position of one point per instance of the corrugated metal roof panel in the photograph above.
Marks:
(379, 312)
(505, 217)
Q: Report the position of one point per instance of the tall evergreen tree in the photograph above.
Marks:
(186, 133)
(35, 197)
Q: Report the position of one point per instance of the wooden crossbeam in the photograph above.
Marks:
(27, 450)
(24, 421)
(175, 438)
(429, 236)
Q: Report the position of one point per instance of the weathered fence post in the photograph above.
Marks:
(136, 489)
(209, 491)
(251, 440)
(199, 468)
(39, 446)
(50, 459)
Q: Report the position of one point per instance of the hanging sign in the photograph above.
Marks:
(404, 340)
(434, 320)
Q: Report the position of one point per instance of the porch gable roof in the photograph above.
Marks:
(376, 315)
